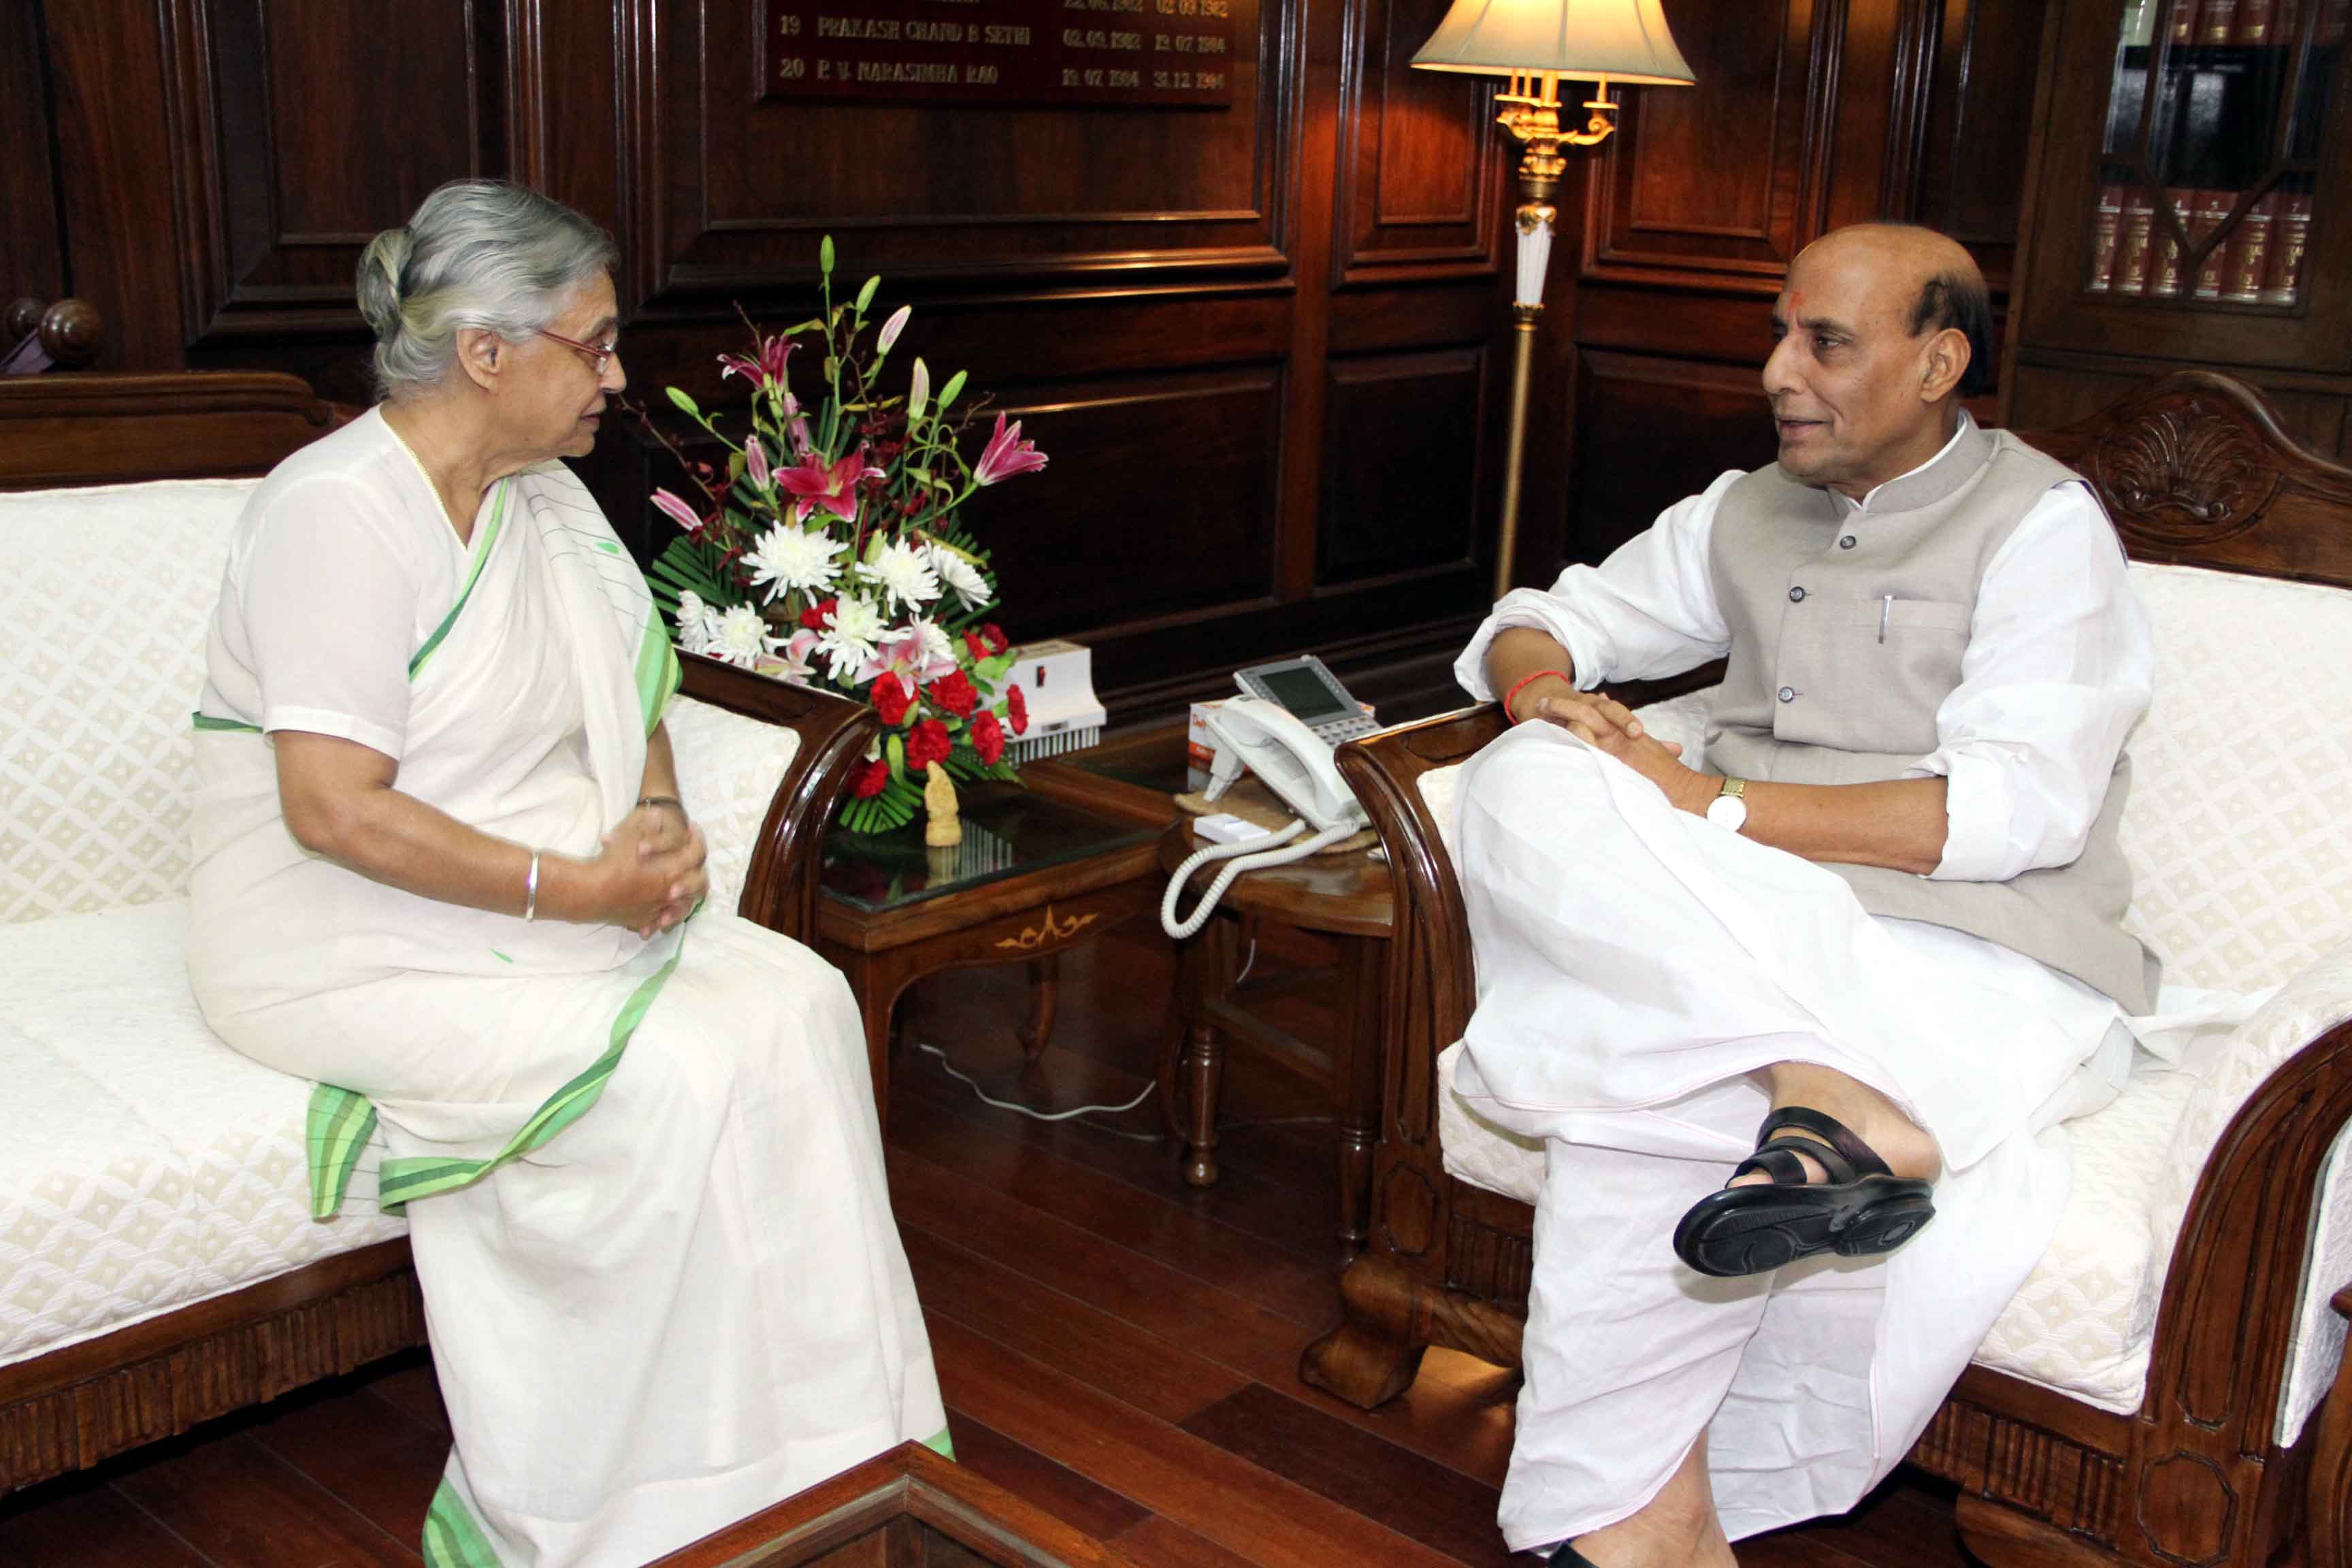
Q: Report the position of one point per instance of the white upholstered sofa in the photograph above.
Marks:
(158, 1261)
(2147, 1397)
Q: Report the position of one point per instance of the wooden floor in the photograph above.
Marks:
(1112, 1346)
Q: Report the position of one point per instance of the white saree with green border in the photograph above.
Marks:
(643, 1180)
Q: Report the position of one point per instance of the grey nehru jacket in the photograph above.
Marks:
(1847, 634)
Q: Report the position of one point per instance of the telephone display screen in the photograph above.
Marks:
(1301, 691)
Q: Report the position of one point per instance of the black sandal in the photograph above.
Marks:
(1862, 1210)
(1568, 1556)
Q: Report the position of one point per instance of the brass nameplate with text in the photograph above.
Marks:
(1145, 53)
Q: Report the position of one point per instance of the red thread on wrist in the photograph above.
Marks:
(1521, 685)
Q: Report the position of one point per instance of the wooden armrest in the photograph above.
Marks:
(780, 886)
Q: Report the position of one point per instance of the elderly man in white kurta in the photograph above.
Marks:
(1881, 913)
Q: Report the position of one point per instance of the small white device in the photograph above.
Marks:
(1057, 682)
(1296, 763)
(1310, 693)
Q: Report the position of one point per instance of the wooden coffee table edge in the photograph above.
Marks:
(910, 1480)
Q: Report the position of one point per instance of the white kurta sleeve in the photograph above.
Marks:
(329, 600)
(2058, 669)
(1647, 611)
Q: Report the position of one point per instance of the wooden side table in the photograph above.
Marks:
(1345, 897)
(1035, 875)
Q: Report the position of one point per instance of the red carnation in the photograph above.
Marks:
(869, 779)
(994, 634)
(988, 738)
(928, 743)
(819, 615)
(977, 648)
(952, 693)
(1016, 708)
(890, 698)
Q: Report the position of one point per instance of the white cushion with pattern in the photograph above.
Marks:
(103, 612)
(2241, 859)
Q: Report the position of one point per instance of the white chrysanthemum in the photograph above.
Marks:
(937, 644)
(741, 637)
(961, 575)
(787, 558)
(849, 641)
(694, 623)
(902, 573)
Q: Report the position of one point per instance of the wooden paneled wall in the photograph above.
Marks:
(1264, 344)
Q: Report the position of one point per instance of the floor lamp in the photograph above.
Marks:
(1535, 42)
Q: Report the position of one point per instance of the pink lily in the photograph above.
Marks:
(768, 370)
(817, 486)
(803, 442)
(908, 657)
(1006, 455)
(755, 462)
(791, 662)
(677, 512)
(892, 328)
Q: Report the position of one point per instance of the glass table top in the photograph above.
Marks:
(1156, 760)
(1007, 831)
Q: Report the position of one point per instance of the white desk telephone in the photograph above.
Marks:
(1296, 764)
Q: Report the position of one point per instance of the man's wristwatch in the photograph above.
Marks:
(1730, 806)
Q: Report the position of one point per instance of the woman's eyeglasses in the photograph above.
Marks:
(599, 354)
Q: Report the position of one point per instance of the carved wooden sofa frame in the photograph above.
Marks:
(73, 1407)
(2194, 469)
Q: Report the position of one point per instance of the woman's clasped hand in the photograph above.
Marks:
(649, 874)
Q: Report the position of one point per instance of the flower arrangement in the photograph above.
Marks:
(829, 552)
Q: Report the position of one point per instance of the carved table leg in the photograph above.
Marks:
(1204, 1065)
(1356, 1081)
(1045, 996)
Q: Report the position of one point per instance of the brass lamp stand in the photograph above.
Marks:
(1530, 111)
(1535, 42)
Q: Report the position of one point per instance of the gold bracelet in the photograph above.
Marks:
(530, 890)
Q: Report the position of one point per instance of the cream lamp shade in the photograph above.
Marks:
(1624, 40)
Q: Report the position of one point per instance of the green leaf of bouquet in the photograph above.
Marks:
(896, 750)
(679, 397)
(825, 256)
(948, 392)
(993, 667)
(866, 295)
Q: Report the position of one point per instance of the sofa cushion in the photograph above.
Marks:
(728, 770)
(144, 1164)
(103, 612)
(2240, 846)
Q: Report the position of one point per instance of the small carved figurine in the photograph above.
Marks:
(942, 830)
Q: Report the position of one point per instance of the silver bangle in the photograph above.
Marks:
(530, 890)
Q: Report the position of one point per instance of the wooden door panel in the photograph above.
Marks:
(1422, 164)
(1400, 465)
(1669, 429)
(298, 134)
(1717, 184)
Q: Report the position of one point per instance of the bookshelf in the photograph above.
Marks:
(2186, 204)
(2217, 111)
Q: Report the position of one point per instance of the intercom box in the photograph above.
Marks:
(1200, 749)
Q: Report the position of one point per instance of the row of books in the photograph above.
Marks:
(2258, 261)
(2233, 21)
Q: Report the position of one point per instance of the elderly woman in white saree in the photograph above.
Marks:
(441, 865)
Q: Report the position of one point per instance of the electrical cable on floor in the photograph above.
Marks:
(1076, 1110)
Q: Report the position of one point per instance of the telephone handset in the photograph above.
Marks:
(1296, 764)
(1294, 761)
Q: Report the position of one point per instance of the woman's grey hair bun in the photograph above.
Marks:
(379, 280)
(479, 253)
